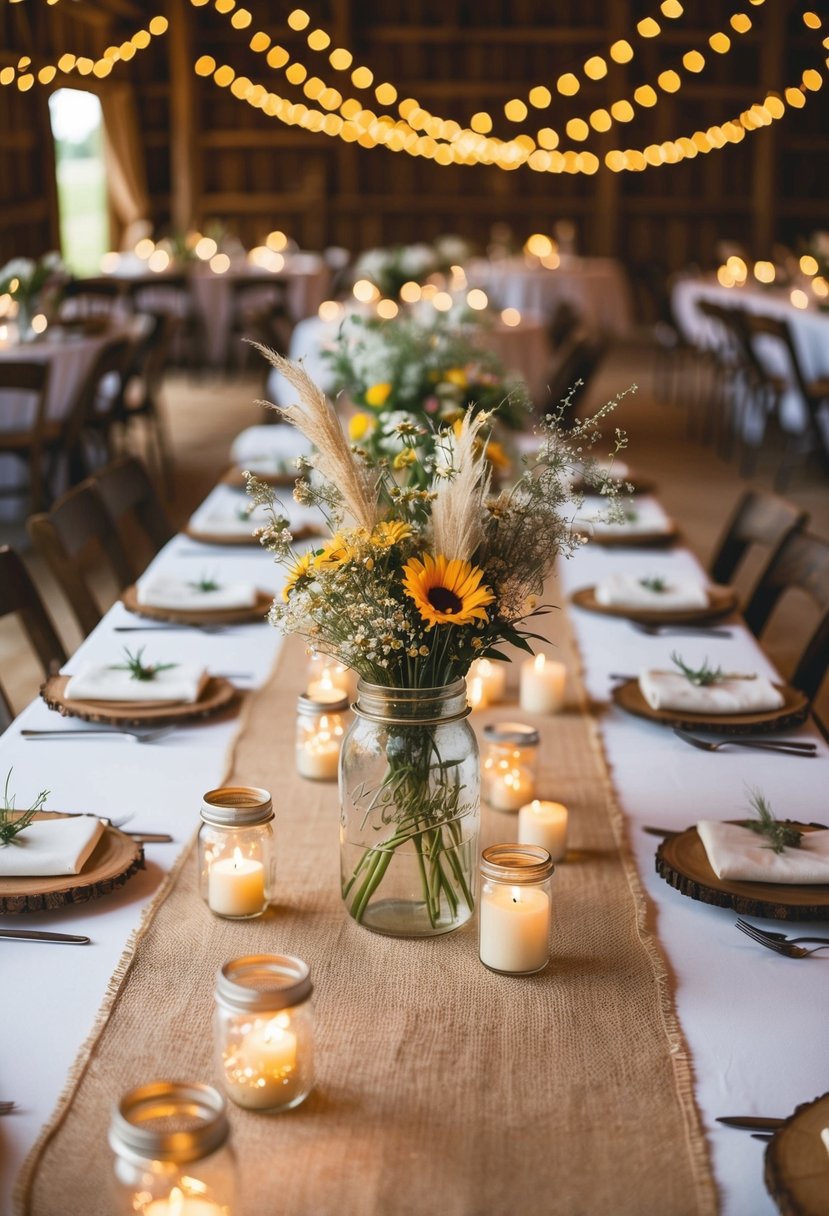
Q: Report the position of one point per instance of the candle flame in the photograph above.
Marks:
(540, 660)
(237, 858)
(175, 1203)
(476, 692)
(535, 806)
(275, 1029)
(516, 895)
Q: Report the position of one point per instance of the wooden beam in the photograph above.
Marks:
(184, 165)
(765, 144)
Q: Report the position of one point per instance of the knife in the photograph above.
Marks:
(35, 935)
(150, 837)
(751, 1123)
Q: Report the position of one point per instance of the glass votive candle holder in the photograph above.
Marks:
(510, 764)
(237, 857)
(172, 1153)
(329, 679)
(320, 729)
(264, 1031)
(515, 908)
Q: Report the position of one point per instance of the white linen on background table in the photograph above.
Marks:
(221, 513)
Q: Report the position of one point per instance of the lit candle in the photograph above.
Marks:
(324, 689)
(236, 886)
(515, 928)
(318, 753)
(179, 1204)
(545, 824)
(261, 1070)
(476, 692)
(509, 786)
(493, 676)
(542, 685)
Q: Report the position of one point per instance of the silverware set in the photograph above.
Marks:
(137, 736)
(779, 942)
(761, 1126)
(38, 935)
(701, 631)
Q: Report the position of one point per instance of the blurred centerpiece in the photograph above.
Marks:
(416, 582)
(28, 282)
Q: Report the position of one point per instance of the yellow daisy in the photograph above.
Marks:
(456, 376)
(390, 532)
(377, 395)
(337, 552)
(359, 425)
(403, 459)
(301, 572)
(446, 592)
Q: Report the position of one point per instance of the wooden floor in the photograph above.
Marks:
(697, 487)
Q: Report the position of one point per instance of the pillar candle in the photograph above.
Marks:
(261, 1070)
(515, 928)
(236, 886)
(318, 755)
(545, 824)
(326, 690)
(542, 685)
(493, 676)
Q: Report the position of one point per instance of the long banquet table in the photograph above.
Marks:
(754, 1022)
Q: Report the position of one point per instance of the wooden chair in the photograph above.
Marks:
(129, 496)
(259, 311)
(173, 294)
(78, 525)
(19, 595)
(41, 439)
(759, 519)
(92, 299)
(800, 561)
(96, 409)
(143, 379)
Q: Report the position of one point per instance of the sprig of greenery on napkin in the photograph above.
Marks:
(12, 822)
(705, 676)
(137, 669)
(780, 835)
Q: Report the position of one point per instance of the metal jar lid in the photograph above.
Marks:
(312, 705)
(237, 806)
(169, 1121)
(516, 864)
(261, 983)
(516, 733)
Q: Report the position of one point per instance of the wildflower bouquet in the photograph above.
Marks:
(24, 279)
(389, 268)
(415, 582)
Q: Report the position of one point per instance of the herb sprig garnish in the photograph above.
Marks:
(780, 835)
(653, 582)
(13, 822)
(139, 670)
(205, 582)
(705, 676)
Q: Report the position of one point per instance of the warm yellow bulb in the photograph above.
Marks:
(511, 317)
(362, 78)
(724, 277)
(539, 245)
(476, 299)
(66, 63)
(102, 68)
(702, 142)
(645, 95)
(241, 19)
(296, 73)
(720, 43)
(693, 61)
(775, 107)
(820, 287)
(224, 76)
(540, 97)
(595, 68)
(809, 265)
(740, 23)
(548, 138)
(205, 65)
(648, 28)
(350, 108)
(25, 82)
(568, 84)
(669, 81)
(298, 19)
(737, 267)
(313, 87)
(600, 120)
(621, 51)
(764, 272)
(386, 94)
(812, 79)
(515, 110)
(277, 57)
(578, 129)
(615, 160)
(588, 163)
(84, 63)
(144, 248)
(140, 40)
(799, 298)
(387, 309)
(260, 41)
(340, 59)
(622, 111)
(225, 6)
(795, 98)
(480, 122)
(671, 8)
(7, 75)
(811, 20)
(47, 75)
(158, 26)
(219, 263)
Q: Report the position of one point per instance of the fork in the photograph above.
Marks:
(776, 937)
(786, 948)
(138, 736)
(700, 631)
(6, 1108)
(792, 747)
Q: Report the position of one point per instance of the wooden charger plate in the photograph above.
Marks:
(797, 1163)
(221, 538)
(634, 540)
(213, 616)
(217, 694)
(115, 858)
(235, 477)
(682, 861)
(792, 712)
(721, 600)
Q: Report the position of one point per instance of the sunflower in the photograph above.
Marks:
(390, 532)
(300, 573)
(337, 552)
(446, 592)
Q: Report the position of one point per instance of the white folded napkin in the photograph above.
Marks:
(225, 516)
(646, 516)
(627, 591)
(739, 853)
(184, 682)
(272, 447)
(165, 591)
(671, 690)
(51, 846)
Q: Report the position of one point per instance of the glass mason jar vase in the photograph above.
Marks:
(409, 810)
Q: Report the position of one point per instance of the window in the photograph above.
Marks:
(82, 197)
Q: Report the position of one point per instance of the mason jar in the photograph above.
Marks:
(510, 766)
(237, 859)
(320, 729)
(264, 1031)
(172, 1155)
(515, 908)
(409, 810)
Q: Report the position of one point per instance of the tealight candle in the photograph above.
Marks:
(319, 736)
(515, 909)
(326, 675)
(544, 824)
(493, 677)
(543, 682)
(236, 853)
(509, 766)
(264, 1033)
(179, 1204)
(236, 886)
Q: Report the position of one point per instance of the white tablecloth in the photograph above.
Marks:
(755, 1022)
(597, 288)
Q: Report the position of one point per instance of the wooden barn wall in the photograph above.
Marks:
(211, 156)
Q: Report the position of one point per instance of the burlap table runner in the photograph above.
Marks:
(441, 1088)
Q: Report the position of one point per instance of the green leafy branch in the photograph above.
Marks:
(12, 822)
(139, 670)
(205, 582)
(780, 836)
(705, 676)
(653, 583)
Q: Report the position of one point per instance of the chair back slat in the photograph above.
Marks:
(19, 596)
(125, 489)
(759, 518)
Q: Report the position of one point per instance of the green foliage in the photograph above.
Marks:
(12, 821)
(137, 668)
(779, 835)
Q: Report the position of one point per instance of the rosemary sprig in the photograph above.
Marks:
(653, 582)
(705, 676)
(205, 582)
(780, 835)
(137, 669)
(11, 821)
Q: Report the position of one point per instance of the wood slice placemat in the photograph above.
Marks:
(234, 541)
(721, 600)
(682, 861)
(217, 694)
(235, 477)
(634, 540)
(114, 859)
(793, 711)
(213, 616)
(797, 1162)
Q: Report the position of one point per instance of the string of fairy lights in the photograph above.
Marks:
(341, 113)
